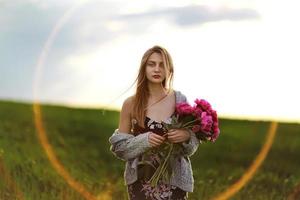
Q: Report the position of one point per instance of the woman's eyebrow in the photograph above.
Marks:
(153, 61)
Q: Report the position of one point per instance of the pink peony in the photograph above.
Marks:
(203, 104)
(214, 115)
(184, 108)
(206, 122)
(197, 111)
(216, 124)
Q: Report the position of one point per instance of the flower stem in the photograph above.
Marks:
(161, 169)
(188, 123)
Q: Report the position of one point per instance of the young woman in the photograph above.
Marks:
(140, 130)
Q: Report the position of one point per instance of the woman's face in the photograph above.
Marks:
(155, 70)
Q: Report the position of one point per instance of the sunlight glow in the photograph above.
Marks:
(244, 68)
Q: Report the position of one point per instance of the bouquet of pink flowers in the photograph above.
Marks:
(200, 119)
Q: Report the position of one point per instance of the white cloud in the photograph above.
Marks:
(190, 15)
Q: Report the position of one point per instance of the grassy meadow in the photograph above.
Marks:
(79, 138)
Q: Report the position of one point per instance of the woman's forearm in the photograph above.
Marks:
(126, 146)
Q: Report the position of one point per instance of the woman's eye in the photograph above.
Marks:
(153, 65)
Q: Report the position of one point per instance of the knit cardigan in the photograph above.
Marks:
(128, 148)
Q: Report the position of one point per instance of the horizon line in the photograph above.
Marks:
(113, 108)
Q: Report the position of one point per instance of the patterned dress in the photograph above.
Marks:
(141, 189)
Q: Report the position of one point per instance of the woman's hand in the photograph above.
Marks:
(156, 140)
(178, 135)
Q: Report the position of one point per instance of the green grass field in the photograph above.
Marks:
(80, 140)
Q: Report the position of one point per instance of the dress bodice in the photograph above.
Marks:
(149, 125)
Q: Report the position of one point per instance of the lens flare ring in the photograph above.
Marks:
(261, 156)
(41, 132)
(42, 136)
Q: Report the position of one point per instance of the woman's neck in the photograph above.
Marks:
(156, 90)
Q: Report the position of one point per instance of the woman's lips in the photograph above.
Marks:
(156, 76)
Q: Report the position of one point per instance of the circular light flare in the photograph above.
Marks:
(234, 188)
(60, 168)
(37, 110)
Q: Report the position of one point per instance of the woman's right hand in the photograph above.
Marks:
(156, 140)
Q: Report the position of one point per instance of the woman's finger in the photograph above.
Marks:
(157, 140)
(173, 140)
(159, 137)
(175, 132)
(154, 144)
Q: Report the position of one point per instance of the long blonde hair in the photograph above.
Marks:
(141, 96)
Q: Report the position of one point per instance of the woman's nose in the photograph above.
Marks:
(157, 68)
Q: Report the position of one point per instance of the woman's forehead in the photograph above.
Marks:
(155, 57)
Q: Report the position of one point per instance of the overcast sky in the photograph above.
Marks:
(242, 56)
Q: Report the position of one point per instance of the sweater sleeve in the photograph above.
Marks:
(191, 146)
(127, 146)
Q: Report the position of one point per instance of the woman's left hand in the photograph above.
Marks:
(178, 135)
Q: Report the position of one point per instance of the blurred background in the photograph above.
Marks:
(67, 66)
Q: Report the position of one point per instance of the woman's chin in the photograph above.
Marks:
(155, 81)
